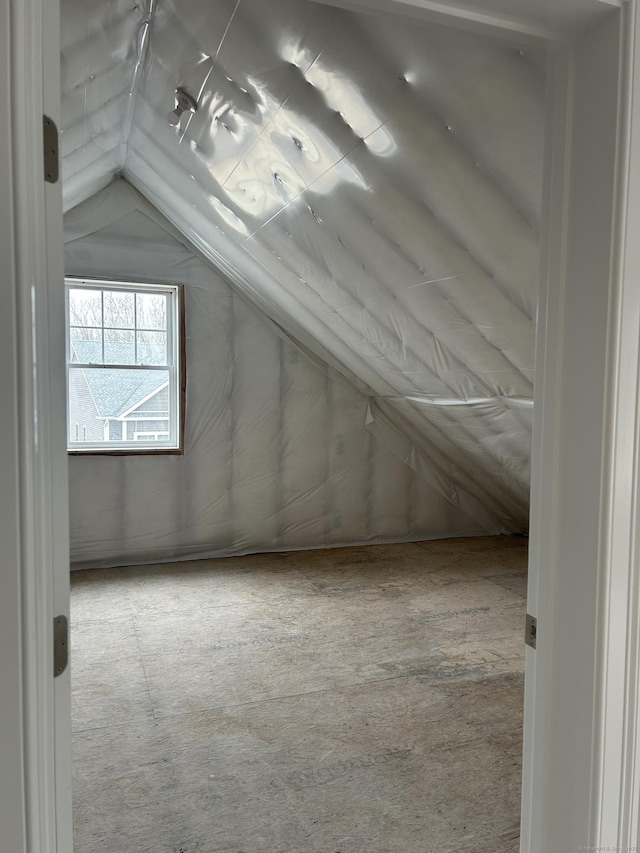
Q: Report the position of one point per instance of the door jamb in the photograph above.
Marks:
(35, 280)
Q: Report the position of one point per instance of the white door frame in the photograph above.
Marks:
(581, 777)
(35, 781)
(580, 703)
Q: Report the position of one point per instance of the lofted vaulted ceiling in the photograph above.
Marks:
(372, 184)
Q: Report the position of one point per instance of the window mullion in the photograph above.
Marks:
(135, 327)
(102, 321)
(93, 366)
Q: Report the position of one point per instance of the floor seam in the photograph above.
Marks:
(344, 688)
(144, 671)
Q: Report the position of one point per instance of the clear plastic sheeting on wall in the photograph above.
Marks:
(369, 183)
(276, 451)
(485, 472)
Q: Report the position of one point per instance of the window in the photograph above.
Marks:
(125, 370)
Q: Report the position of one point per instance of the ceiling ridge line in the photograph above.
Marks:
(143, 45)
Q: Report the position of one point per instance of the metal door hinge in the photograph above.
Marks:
(50, 143)
(60, 645)
(530, 631)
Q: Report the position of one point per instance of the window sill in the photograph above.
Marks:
(160, 452)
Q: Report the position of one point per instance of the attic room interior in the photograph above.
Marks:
(301, 249)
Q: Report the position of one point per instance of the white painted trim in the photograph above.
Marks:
(581, 769)
(13, 818)
(545, 445)
(37, 584)
(53, 460)
(37, 223)
(616, 778)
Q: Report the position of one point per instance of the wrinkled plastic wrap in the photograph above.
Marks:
(370, 184)
(277, 455)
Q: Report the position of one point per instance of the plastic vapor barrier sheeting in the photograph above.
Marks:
(276, 451)
(352, 201)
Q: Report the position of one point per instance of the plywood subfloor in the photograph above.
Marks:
(359, 700)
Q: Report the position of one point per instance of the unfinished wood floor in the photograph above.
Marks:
(359, 700)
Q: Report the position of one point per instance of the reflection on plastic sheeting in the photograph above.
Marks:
(343, 96)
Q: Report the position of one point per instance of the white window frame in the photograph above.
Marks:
(174, 366)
